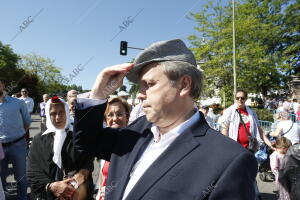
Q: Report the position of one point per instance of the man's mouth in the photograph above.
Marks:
(146, 106)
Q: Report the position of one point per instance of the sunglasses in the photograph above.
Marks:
(240, 98)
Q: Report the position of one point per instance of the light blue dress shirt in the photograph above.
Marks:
(13, 116)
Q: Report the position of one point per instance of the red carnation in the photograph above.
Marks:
(55, 99)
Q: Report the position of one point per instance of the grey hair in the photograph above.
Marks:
(176, 69)
(284, 115)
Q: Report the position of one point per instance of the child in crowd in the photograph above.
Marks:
(281, 145)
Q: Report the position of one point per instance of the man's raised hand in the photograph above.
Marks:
(109, 80)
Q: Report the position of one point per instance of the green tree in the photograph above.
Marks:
(290, 33)
(9, 65)
(43, 68)
(49, 77)
(260, 65)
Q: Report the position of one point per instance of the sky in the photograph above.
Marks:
(88, 32)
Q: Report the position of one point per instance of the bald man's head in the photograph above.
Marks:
(72, 94)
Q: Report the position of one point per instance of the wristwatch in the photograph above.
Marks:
(74, 183)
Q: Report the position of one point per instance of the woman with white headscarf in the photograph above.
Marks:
(54, 168)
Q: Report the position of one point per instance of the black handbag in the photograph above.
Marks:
(253, 143)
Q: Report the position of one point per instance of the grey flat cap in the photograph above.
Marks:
(170, 50)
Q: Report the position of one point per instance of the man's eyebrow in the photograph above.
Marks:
(148, 79)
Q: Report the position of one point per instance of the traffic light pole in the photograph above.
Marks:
(124, 47)
(135, 48)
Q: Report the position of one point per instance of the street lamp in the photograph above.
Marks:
(233, 47)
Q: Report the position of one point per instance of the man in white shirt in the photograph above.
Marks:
(171, 152)
(286, 105)
(43, 113)
(30, 105)
(295, 105)
(294, 108)
(209, 120)
(71, 98)
(28, 101)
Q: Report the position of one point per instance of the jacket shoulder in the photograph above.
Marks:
(140, 124)
(224, 143)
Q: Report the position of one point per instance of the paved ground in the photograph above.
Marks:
(267, 189)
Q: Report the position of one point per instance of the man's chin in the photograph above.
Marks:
(149, 117)
(115, 126)
(241, 106)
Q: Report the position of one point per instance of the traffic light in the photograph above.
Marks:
(123, 48)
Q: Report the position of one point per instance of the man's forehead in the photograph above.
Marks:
(72, 92)
(240, 94)
(150, 72)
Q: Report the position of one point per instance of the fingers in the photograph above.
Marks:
(68, 180)
(116, 81)
(63, 190)
(120, 68)
(69, 191)
(109, 80)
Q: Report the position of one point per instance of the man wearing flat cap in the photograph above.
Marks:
(171, 152)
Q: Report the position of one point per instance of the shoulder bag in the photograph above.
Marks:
(253, 143)
(287, 130)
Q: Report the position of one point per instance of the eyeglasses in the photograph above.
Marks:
(240, 98)
(118, 115)
(23, 91)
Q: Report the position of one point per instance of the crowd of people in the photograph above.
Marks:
(214, 112)
(165, 147)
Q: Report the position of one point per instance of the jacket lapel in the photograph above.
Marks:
(134, 156)
(183, 145)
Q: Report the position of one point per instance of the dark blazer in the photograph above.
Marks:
(200, 164)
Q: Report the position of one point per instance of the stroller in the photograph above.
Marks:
(263, 158)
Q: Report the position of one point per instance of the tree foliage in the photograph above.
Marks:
(39, 75)
(43, 68)
(264, 33)
(9, 64)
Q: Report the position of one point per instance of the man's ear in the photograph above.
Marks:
(185, 85)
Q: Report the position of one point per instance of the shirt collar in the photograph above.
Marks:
(6, 97)
(175, 131)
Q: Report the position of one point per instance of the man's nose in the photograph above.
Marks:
(141, 96)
